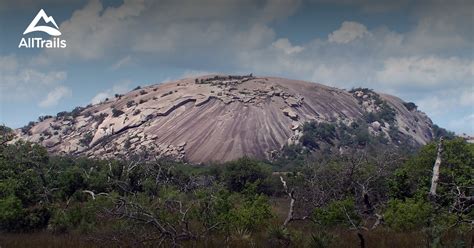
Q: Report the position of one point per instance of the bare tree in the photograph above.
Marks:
(436, 166)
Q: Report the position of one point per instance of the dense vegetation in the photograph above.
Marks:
(376, 197)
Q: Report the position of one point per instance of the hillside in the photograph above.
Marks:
(221, 118)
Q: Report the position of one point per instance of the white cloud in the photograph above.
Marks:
(9, 5)
(467, 97)
(464, 124)
(442, 26)
(161, 29)
(285, 46)
(428, 72)
(122, 62)
(275, 9)
(348, 32)
(101, 96)
(23, 82)
(53, 97)
(118, 88)
(194, 73)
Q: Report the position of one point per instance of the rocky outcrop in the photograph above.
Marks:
(217, 118)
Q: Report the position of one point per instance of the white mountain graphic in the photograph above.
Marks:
(47, 19)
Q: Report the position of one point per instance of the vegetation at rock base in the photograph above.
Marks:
(362, 198)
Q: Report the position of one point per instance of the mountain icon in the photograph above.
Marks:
(47, 29)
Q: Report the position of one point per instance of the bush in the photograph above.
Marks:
(116, 112)
(441, 132)
(27, 129)
(386, 113)
(313, 132)
(410, 106)
(62, 114)
(336, 213)
(100, 118)
(239, 173)
(322, 239)
(407, 215)
(45, 117)
(130, 103)
(11, 213)
(76, 111)
(254, 212)
(87, 138)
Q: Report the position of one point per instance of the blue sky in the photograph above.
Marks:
(421, 51)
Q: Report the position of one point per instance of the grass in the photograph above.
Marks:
(300, 234)
(43, 239)
(341, 238)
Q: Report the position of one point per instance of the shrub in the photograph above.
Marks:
(322, 239)
(280, 234)
(167, 93)
(387, 113)
(127, 144)
(130, 103)
(87, 138)
(410, 106)
(254, 212)
(11, 213)
(313, 132)
(62, 114)
(45, 117)
(116, 112)
(137, 88)
(441, 132)
(337, 213)
(27, 129)
(143, 92)
(100, 118)
(76, 111)
(239, 173)
(407, 215)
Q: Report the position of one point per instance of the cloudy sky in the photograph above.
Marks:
(422, 51)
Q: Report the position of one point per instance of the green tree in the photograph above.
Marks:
(239, 173)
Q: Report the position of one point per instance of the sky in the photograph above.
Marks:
(421, 51)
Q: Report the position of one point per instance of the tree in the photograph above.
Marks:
(117, 112)
(239, 173)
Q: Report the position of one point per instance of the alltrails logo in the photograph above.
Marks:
(39, 42)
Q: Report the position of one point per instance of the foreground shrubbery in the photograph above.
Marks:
(170, 203)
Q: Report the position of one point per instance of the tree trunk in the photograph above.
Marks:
(435, 178)
(361, 239)
(292, 202)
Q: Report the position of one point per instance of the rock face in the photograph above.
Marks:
(213, 118)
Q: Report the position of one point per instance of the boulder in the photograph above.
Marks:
(290, 113)
(376, 125)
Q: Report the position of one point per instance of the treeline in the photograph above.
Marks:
(244, 202)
